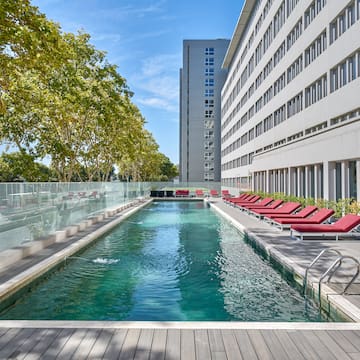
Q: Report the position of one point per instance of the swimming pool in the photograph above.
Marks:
(171, 261)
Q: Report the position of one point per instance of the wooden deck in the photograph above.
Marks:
(165, 342)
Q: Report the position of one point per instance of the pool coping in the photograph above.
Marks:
(333, 301)
(80, 324)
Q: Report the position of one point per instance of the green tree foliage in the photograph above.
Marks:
(59, 97)
(22, 167)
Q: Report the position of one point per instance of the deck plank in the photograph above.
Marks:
(342, 341)
(288, 345)
(202, 347)
(11, 333)
(116, 342)
(188, 344)
(130, 343)
(302, 344)
(42, 346)
(158, 345)
(231, 345)
(320, 349)
(101, 344)
(259, 345)
(173, 344)
(274, 345)
(216, 341)
(55, 347)
(26, 347)
(10, 350)
(144, 344)
(333, 347)
(86, 344)
(72, 344)
(245, 345)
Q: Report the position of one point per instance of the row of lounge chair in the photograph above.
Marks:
(306, 222)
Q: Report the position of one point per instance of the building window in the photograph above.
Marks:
(294, 105)
(209, 51)
(209, 92)
(209, 113)
(209, 71)
(209, 103)
(209, 61)
(209, 82)
(316, 91)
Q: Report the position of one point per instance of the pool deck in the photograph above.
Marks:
(195, 340)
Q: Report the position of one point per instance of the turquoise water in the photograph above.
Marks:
(171, 261)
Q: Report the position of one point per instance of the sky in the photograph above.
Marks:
(144, 39)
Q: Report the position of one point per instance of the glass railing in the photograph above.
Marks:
(30, 211)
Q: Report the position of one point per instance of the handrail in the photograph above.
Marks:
(332, 270)
(313, 263)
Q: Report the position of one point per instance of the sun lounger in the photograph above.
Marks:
(317, 218)
(214, 193)
(225, 194)
(302, 214)
(272, 206)
(342, 227)
(261, 203)
(181, 193)
(199, 193)
(242, 197)
(251, 200)
(286, 208)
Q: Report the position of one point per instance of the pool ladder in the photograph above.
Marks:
(332, 269)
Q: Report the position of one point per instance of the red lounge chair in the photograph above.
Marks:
(214, 193)
(241, 197)
(181, 193)
(287, 208)
(274, 205)
(199, 193)
(317, 218)
(342, 227)
(225, 194)
(262, 203)
(302, 214)
(250, 200)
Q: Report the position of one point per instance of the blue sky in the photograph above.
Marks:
(144, 39)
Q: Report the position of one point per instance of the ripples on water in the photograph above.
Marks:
(173, 261)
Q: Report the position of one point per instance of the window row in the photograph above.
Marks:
(312, 11)
(317, 47)
(344, 20)
(209, 72)
(294, 34)
(295, 105)
(209, 82)
(294, 69)
(290, 6)
(345, 72)
(240, 161)
(209, 61)
(316, 91)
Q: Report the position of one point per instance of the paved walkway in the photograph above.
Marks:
(202, 340)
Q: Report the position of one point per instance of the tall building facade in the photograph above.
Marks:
(201, 80)
(291, 104)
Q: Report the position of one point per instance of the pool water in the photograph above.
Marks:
(171, 261)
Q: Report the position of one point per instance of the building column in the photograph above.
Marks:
(298, 185)
(290, 180)
(267, 181)
(286, 182)
(329, 171)
(307, 182)
(316, 181)
(345, 179)
(358, 180)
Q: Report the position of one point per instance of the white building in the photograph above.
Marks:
(201, 81)
(291, 101)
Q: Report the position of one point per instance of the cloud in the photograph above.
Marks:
(131, 11)
(158, 82)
